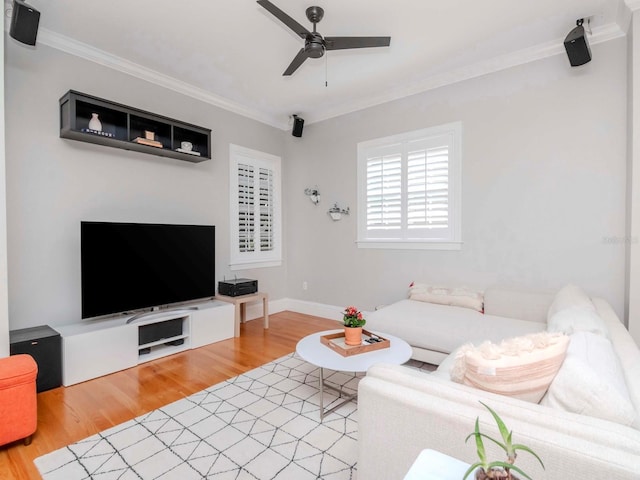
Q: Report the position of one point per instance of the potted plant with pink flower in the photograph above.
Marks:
(353, 323)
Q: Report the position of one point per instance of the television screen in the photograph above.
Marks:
(132, 266)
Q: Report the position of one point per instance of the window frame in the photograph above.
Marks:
(398, 143)
(256, 259)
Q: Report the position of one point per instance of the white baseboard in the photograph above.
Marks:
(299, 306)
(317, 309)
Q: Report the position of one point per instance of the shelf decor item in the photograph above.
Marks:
(148, 139)
(353, 323)
(95, 123)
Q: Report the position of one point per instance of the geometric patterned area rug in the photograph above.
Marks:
(263, 424)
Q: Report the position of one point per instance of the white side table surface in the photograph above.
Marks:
(433, 465)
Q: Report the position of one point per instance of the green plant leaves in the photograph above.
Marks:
(507, 445)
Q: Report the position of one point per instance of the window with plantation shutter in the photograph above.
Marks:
(255, 222)
(409, 190)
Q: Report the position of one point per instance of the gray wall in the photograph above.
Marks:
(544, 151)
(4, 291)
(544, 163)
(54, 183)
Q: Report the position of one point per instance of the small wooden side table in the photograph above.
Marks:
(240, 303)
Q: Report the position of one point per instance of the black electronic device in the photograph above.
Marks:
(44, 344)
(298, 125)
(131, 266)
(577, 46)
(157, 331)
(237, 287)
(24, 23)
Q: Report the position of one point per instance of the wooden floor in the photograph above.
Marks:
(66, 415)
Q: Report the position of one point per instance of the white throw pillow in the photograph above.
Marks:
(591, 381)
(457, 297)
(577, 319)
(568, 297)
(521, 367)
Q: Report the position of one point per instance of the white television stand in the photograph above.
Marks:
(98, 347)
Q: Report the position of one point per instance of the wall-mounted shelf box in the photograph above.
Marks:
(122, 125)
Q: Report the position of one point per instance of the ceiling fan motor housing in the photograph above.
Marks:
(314, 46)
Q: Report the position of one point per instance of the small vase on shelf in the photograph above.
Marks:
(95, 123)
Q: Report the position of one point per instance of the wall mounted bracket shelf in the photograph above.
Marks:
(129, 128)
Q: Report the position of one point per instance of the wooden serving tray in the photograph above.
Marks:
(335, 341)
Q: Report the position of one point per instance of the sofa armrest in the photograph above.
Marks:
(625, 347)
(396, 421)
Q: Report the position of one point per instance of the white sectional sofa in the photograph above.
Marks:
(434, 331)
(402, 411)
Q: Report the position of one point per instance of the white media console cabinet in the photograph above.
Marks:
(99, 347)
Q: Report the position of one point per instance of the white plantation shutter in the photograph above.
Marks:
(246, 208)
(428, 188)
(266, 209)
(384, 188)
(255, 209)
(408, 190)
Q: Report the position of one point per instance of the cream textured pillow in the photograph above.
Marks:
(521, 367)
(591, 381)
(457, 297)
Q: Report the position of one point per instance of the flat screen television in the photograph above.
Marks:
(134, 266)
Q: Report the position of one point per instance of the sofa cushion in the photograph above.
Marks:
(457, 296)
(578, 318)
(448, 364)
(591, 381)
(521, 367)
(568, 297)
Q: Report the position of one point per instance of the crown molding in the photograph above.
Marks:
(600, 34)
(495, 64)
(87, 52)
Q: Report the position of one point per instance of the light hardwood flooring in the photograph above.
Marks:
(66, 415)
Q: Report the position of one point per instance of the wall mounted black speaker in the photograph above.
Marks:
(24, 23)
(298, 125)
(577, 46)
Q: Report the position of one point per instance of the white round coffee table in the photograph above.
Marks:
(313, 351)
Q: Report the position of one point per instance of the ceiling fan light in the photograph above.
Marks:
(314, 49)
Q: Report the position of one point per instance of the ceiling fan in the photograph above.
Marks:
(314, 44)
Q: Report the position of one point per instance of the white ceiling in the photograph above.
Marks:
(232, 53)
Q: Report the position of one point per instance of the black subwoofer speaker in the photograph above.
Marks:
(298, 125)
(577, 46)
(24, 23)
(45, 346)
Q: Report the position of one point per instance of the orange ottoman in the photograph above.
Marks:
(18, 404)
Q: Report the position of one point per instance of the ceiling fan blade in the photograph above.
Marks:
(284, 18)
(341, 43)
(297, 61)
